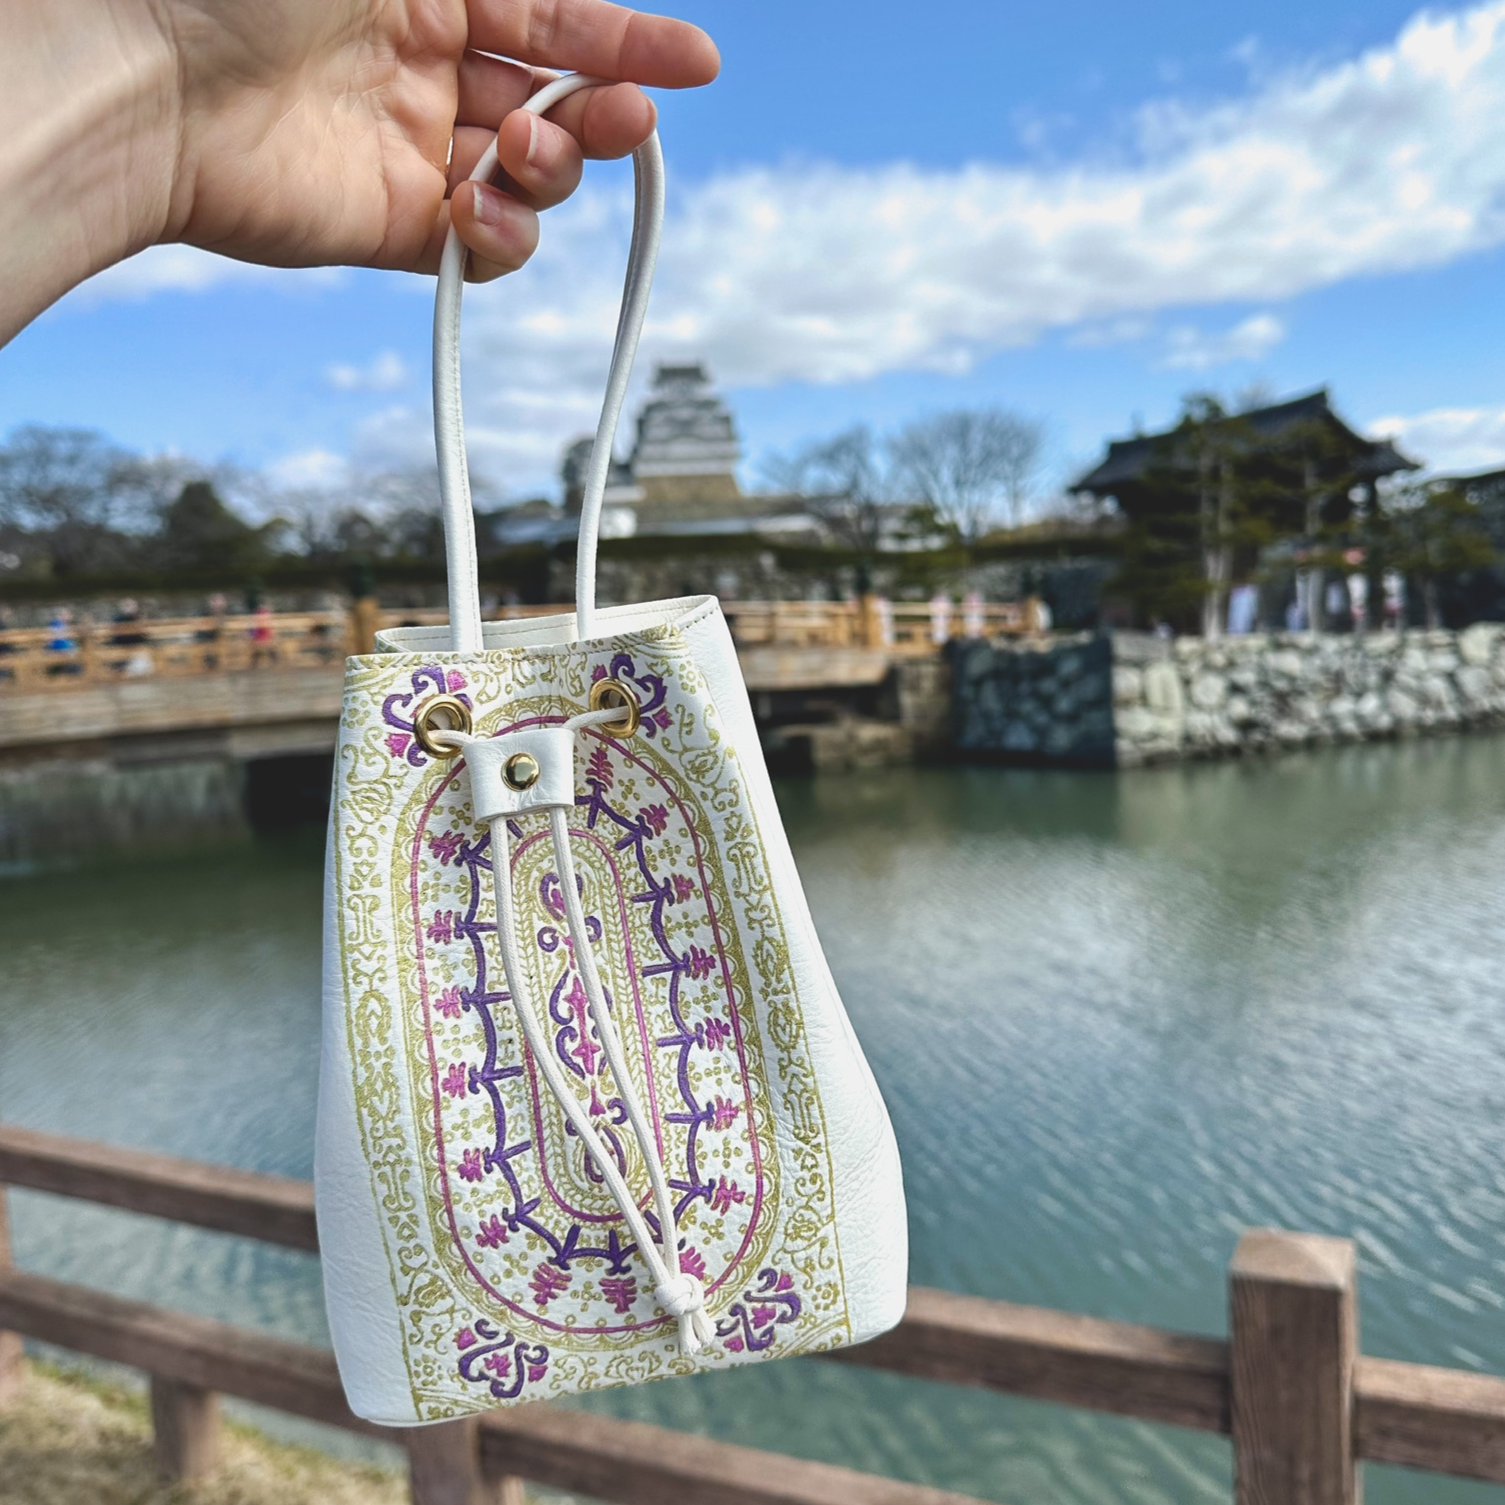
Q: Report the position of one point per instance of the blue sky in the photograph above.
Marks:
(1078, 210)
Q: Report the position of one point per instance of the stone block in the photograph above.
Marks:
(1162, 691)
(1477, 644)
(1128, 684)
(1209, 691)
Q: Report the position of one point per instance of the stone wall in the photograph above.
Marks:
(1261, 693)
(1044, 702)
(1132, 699)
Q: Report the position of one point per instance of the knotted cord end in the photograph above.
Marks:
(684, 1297)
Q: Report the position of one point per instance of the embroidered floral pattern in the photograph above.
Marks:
(396, 710)
(485, 1250)
(752, 1323)
(497, 1360)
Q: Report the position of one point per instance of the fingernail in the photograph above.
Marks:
(491, 206)
(533, 142)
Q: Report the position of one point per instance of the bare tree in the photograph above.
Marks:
(843, 478)
(61, 485)
(968, 463)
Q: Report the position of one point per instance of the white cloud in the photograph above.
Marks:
(1188, 348)
(186, 269)
(1391, 161)
(1450, 439)
(385, 372)
(310, 470)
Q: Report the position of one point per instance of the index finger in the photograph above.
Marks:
(594, 36)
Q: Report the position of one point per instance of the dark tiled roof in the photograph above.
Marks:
(1127, 459)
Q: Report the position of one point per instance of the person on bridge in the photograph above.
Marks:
(305, 132)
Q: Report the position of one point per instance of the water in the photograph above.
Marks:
(1117, 1018)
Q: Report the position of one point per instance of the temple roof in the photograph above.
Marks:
(1128, 459)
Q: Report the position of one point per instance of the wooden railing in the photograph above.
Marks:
(71, 656)
(1301, 1405)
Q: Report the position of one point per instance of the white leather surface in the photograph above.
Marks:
(358, 1294)
(490, 793)
(870, 1223)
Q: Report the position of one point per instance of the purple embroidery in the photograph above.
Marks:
(498, 1360)
(650, 689)
(641, 859)
(429, 680)
(752, 1324)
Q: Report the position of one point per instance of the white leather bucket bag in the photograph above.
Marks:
(591, 1111)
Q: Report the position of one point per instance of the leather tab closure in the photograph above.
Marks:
(529, 769)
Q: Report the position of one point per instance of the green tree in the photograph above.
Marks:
(1432, 532)
(197, 531)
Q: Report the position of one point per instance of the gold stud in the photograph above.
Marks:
(606, 693)
(441, 713)
(521, 771)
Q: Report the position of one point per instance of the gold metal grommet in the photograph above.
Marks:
(440, 713)
(605, 694)
(521, 771)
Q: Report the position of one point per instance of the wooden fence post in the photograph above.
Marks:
(185, 1429)
(1293, 1313)
(444, 1467)
(12, 1371)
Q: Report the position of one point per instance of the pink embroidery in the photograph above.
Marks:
(442, 927)
(723, 1113)
(724, 1193)
(398, 743)
(492, 1233)
(448, 1003)
(499, 1364)
(445, 847)
(699, 962)
(717, 1033)
(465, 1338)
(455, 680)
(655, 817)
(691, 1263)
(455, 1081)
(661, 717)
(599, 768)
(620, 1290)
(683, 888)
(547, 1283)
(470, 1165)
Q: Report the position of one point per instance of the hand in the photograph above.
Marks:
(305, 132)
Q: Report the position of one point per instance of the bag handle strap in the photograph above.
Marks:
(449, 418)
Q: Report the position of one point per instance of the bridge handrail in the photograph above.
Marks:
(1292, 1357)
(71, 656)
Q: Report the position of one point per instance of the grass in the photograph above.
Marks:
(72, 1439)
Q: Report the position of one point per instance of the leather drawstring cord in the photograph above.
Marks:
(679, 1293)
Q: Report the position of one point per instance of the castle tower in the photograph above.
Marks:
(687, 449)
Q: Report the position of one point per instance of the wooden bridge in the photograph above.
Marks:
(269, 684)
(1302, 1405)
